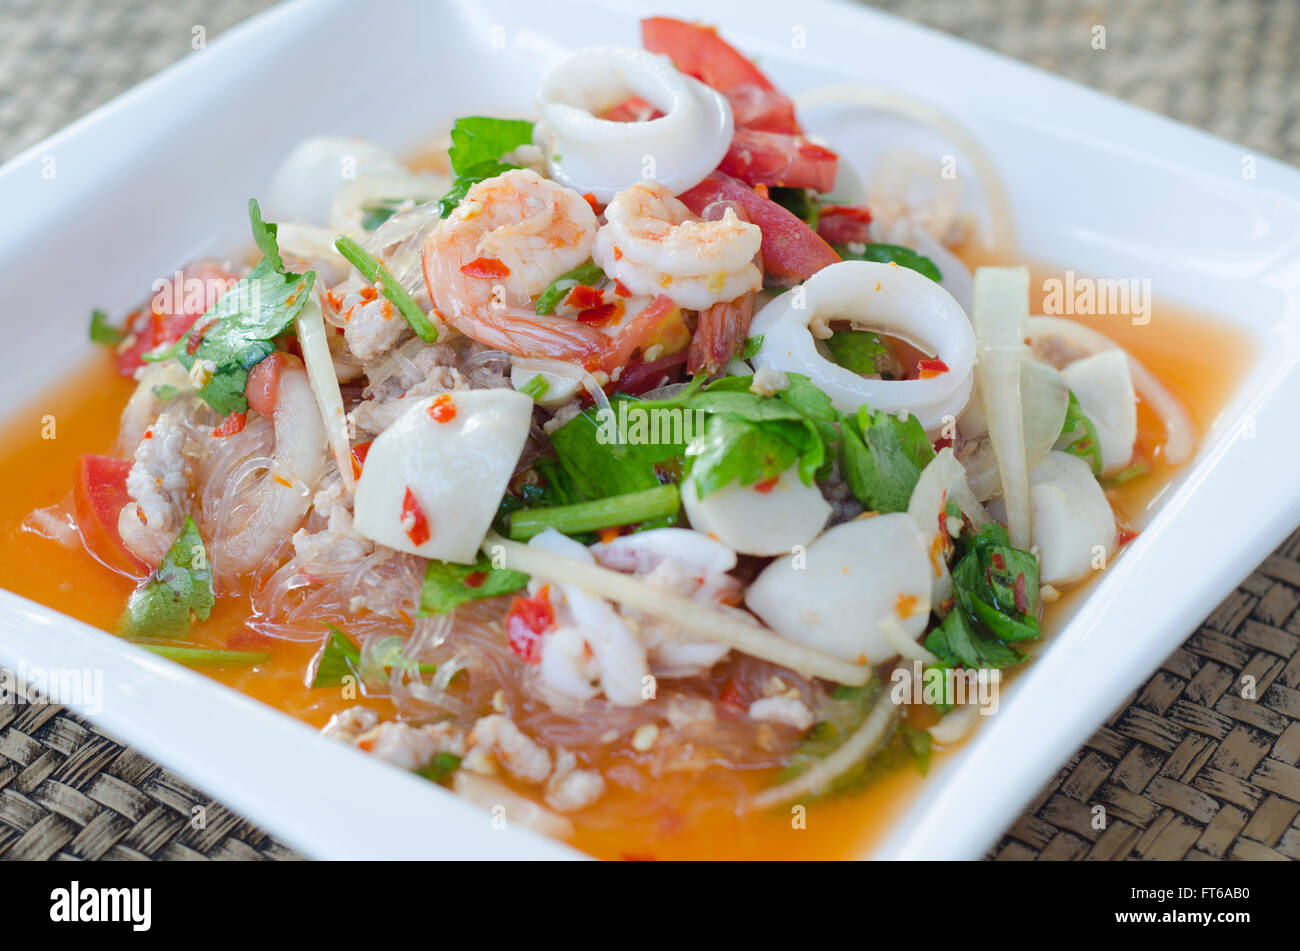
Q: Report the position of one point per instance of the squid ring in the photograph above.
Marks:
(895, 300)
(602, 157)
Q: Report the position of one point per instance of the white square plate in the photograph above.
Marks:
(163, 174)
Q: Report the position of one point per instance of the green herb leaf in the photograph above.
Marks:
(803, 203)
(440, 768)
(996, 601)
(736, 449)
(585, 274)
(339, 658)
(165, 392)
(858, 351)
(389, 286)
(882, 457)
(476, 139)
(181, 585)
(1079, 436)
(752, 346)
(375, 213)
(631, 451)
(477, 144)
(464, 182)
(238, 331)
(101, 331)
(447, 585)
(891, 253)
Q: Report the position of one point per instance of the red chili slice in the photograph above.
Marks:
(528, 620)
(486, 268)
(442, 409)
(231, 425)
(413, 520)
(930, 368)
(583, 297)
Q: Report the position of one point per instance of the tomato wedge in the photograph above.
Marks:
(171, 315)
(660, 324)
(99, 494)
(791, 250)
(698, 51)
(777, 158)
(842, 224)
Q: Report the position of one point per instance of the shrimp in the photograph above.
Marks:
(510, 238)
(721, 330)
(653, 244)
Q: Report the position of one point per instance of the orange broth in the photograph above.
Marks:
(1199, 360)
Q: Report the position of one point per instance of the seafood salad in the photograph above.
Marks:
(641, 465)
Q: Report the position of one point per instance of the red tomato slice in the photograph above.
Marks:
(659, 324)
(842, 224)
(99, 494)
(791, 250)
(698, 51)
(172, 313)
(777, 158)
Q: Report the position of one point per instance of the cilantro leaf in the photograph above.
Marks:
(477, 144)
(101, 331)
(995, 603)
(891, 254)
(464, 182)
(858, 351)
(882, 457)
(632, 451)
(476, 139)
(1079, 436)
(447, 585)
(339, 658)
(736, 449)
(181, 585)
(239, 330)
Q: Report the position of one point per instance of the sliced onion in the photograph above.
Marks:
(745, 636)
(1180, 434)
(1001, 313)
(325, 385)
(955, 724)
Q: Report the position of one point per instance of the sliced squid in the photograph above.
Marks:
(432, 480)
(617, 655)
(762, 519)
(874, 296)
(1104, 388)
(851, 587)
(306, 182)
(602, 157)
(1073, 525)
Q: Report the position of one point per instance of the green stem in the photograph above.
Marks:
(382, 278)
(207, 657)
(661, 501)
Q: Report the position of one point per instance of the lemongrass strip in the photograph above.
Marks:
(819, 776)
(325, 385)
(1001, 313)
(1000, 237)
(689, 616)
(1180, 434)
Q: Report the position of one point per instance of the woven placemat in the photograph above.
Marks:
(1188, 768)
